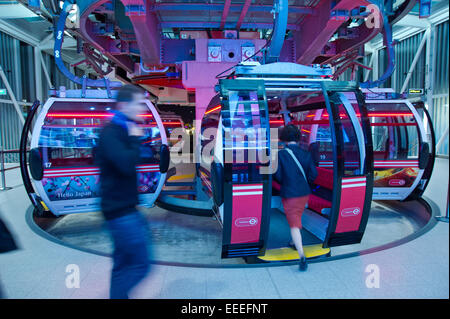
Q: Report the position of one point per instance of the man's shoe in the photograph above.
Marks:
(303, 265)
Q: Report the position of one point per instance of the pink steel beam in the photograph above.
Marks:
(365, 34)
(310, 41)
(243, 13)
(146, 28)
(103, 44)
(215, 25)
(226, 9)
(234, 7)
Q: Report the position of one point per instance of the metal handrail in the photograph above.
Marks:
(445, 218)
(11, 151)
(2, 170)
(2, 166)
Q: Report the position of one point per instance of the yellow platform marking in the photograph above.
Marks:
(286, 253)
(44, 206)
(177, 177)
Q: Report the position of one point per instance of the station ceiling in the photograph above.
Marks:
(36, 29)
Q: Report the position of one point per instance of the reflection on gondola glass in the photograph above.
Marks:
(246, 135)
(210, 123)
(67, 142)
(315, 135)
(172, 125)
(351, 147)
(395, 144)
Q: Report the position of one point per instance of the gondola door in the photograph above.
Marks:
(428, 151)
(246, 157)
(353, 169)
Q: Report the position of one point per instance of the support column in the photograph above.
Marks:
(17, 70)
(372, 58)
(414, 62)
(201, 77)
(375, 66)
(202, 98)
(38, 73)
(429, 69)
(44, 68)
(12, 96)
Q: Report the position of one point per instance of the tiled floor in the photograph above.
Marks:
(417, 269)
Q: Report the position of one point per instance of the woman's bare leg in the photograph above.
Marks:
(297, 239)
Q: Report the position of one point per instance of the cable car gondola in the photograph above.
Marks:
(64, 177)
(339, 206)
(403, 150)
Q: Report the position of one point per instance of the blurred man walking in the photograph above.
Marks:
(117, 154)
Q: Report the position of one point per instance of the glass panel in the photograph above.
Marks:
(246, 135)
(316, 138)
(394, 131)
(70, 132)
(276, 120)
(150, 144)
(68, 137)
(351, 154)
(315, 135)
(210, 123)
(395, 137)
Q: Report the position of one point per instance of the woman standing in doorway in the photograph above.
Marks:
(295, 170)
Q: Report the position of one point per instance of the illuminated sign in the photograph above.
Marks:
(415, 91)
(3, 92)
(214, 54)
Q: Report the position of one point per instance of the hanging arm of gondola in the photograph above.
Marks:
(387, 32)
(59, 35)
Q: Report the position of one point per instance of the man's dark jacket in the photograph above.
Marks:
(288, 174)
(117, 155)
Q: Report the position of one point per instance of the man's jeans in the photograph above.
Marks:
(131, 256)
